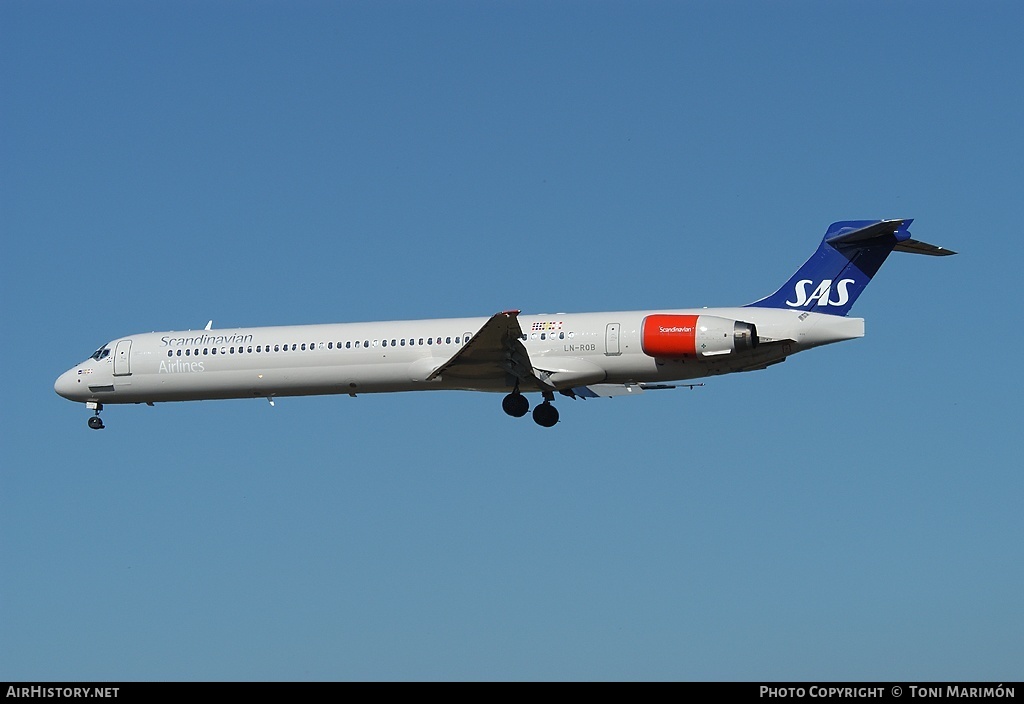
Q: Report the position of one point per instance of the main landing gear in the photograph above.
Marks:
(544, 415)
(515, 404)
(96, 423)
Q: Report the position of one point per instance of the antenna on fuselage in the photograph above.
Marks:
(209, 326)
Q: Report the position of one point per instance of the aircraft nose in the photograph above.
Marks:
(67, 383)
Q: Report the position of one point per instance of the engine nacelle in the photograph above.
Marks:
(675, 336)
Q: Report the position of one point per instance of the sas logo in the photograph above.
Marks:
(821, 294)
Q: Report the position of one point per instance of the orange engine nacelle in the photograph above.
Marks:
(676, 336)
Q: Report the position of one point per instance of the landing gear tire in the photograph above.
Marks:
(95, 423)
(515, 404)
(545, 415)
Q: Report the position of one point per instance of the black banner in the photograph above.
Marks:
(813, 691)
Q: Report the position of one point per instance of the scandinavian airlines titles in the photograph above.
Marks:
(821, 293)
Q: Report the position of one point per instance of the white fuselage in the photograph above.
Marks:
(352, 358)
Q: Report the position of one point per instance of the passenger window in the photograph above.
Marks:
(206, 351)
(383, 343)
(430, 340)
(179, 353)
(393, 342)
(170, 353)
(447, 340)
(543, 336)
(402, 342)
(421, 340)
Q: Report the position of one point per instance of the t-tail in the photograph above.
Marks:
(850, 254)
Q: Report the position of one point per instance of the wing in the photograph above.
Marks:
(494, 352)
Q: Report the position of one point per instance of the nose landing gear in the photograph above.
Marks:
(96, 423)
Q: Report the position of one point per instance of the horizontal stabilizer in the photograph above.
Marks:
(915, 247)
(852, 233)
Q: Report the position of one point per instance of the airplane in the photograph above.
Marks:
(577, 355)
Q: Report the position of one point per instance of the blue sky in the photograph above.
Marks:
(853, 513)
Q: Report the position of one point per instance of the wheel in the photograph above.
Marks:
(515, 404)
(545, 415)
(95, 423)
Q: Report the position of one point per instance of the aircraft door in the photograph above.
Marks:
(611, 340)
(122, 358)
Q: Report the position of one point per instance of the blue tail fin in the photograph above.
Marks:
(848, 257)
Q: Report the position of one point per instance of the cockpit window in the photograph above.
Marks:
(101, 353)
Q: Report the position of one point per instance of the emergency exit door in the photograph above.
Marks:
(611, 339)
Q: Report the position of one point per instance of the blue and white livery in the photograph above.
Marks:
(575, 355)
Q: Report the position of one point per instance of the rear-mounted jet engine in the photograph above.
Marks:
(674, 336)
